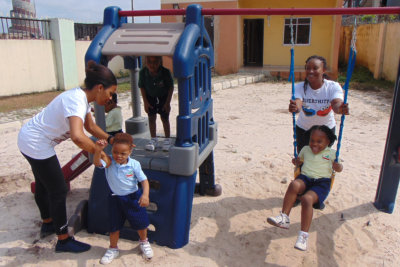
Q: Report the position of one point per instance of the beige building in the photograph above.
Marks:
(262, 43)
(223, 31)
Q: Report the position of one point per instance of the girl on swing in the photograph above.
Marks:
(313, 184)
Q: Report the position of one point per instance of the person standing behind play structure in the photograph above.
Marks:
(317, 99)
(313, 184)
(113, 116)
(156, 85)
(65, 117)
(126, 201)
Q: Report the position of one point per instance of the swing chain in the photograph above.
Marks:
(291, 31)
(354, 35)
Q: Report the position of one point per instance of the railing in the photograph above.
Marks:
(22, 28)
(85, 31)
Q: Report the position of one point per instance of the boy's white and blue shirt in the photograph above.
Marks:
(123, 179)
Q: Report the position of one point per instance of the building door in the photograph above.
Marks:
(253, 42)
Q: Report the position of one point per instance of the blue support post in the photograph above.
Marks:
(193, 60)
(390, 171)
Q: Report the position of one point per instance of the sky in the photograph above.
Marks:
(85, 11)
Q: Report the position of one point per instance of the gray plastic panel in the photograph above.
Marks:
(139, 39)
(178, 160)
(183, 160)
(159, 164)
(139, 153)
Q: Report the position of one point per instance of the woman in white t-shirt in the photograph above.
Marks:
(65, 117)
(316, 99)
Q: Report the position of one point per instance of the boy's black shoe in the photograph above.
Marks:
(71, 245)
(47, 229)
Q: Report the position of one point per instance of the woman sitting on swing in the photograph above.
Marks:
(316, 100)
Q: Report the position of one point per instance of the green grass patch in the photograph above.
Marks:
(37, 100)
(27, 101)
(363, 79)
(124, 87)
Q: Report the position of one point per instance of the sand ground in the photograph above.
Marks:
(253, 166)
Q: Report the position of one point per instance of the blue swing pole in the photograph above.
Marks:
(291, 78)
(350, 67)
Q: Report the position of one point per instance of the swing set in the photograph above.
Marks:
(390, 174)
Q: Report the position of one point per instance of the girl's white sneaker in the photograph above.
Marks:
(301, 242)
(281, 221)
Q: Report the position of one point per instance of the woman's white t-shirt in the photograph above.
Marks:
(317, 109)
(38, 137)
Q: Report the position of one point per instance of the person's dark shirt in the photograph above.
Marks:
(156, 86)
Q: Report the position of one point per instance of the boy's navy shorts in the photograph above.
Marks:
(127, 208)
(158, 104)
(321, 186)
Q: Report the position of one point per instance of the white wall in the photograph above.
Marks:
(116, 64)
(27, 66)
(81, 48)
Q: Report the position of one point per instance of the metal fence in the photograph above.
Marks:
(21, 28)
(84, 31)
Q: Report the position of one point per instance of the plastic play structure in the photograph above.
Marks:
(172, 174)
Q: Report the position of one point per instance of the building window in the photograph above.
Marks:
(301, 31)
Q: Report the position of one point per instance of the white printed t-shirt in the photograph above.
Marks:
(38, 137)
(317, 109)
